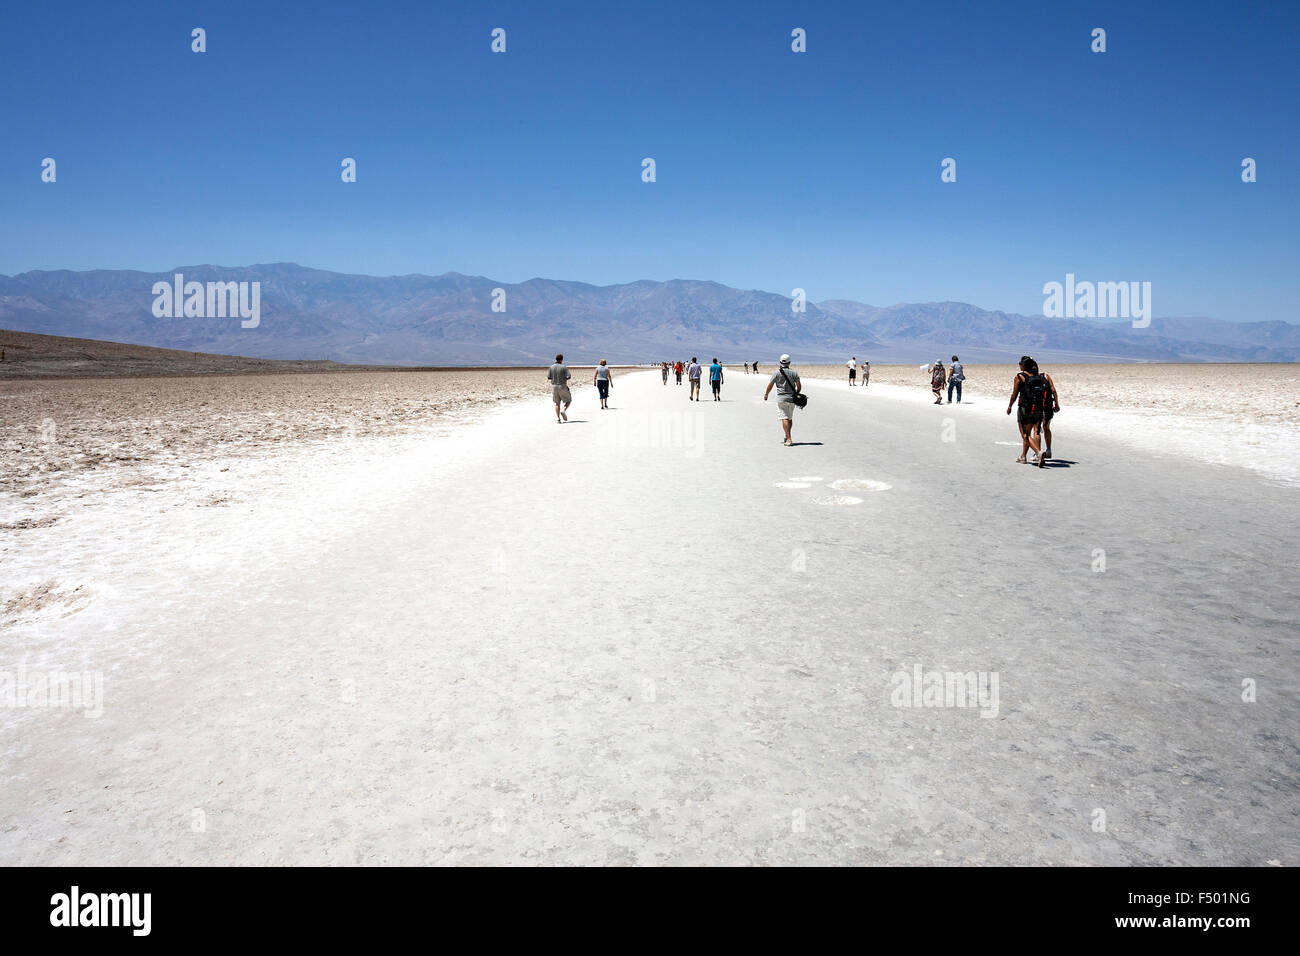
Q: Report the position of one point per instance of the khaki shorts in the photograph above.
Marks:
(561, 394)
(785, 410)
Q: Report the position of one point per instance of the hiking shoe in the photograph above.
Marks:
(787, 442)
(564, 415)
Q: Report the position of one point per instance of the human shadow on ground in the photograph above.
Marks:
(796, 444)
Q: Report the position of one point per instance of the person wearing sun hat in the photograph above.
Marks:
(937, 378)
(786, 381)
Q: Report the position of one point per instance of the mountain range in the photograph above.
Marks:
(449, 320)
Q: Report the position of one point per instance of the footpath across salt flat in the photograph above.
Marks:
(656, 635)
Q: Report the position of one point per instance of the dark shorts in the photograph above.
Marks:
(852, 374)
(717, 385)
(603, 387)
(1022, 416)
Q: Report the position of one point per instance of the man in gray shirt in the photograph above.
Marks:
(786, 381)
(558, 375)
(956, 375)
(693, 373)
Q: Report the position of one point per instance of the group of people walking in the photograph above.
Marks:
(558, 375)
(694, 372)
(953, 375)
(1033, 394)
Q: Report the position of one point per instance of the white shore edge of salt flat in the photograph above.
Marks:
(274, 502)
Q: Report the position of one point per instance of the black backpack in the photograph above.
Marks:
(1034, 395)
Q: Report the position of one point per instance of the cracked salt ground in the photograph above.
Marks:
(837, 500)
(860, 484)
(806, 478)
(791, 484)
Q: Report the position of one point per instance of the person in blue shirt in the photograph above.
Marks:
(715, 379)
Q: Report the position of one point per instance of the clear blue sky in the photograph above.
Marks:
(775, 170)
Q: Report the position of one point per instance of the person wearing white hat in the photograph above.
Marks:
(786, 381)
(937, 378)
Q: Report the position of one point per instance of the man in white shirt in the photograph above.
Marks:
(853, 369)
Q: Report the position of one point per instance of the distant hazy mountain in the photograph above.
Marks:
(941, 328)
(448, 319)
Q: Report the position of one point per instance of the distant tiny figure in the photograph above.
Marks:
(693, 373)
(1031, 394)
(853, 370)
(866, 373)
(678, 370)
(715, 379)
(937, 376)
(956, 375)
(559, 375)
(788, 386)
(755, 368)
(664, 365)
(604, 381)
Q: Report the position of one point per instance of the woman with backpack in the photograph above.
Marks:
(1031, 393)
(937, 378)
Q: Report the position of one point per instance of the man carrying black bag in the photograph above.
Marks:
(789, 395)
